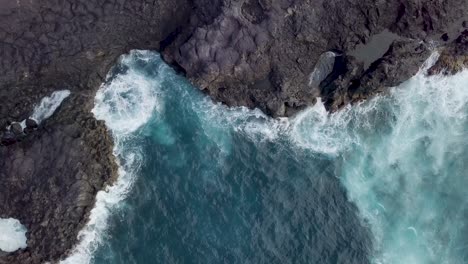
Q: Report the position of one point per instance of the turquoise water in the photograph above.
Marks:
(382, 182)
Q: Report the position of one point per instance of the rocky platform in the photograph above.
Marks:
(277, 55)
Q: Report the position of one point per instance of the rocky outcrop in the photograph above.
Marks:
(255, 53)
(402, 61)
(454, 57)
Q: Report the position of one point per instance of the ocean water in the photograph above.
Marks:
(380, 182)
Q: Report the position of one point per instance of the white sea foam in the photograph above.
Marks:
(403, 162)
(12, 235)
(48, 105)
(125, 104)
(323, 68)
(407, 181)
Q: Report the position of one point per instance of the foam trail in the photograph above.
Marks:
(48, 105)
(126, 103)
(12, 235)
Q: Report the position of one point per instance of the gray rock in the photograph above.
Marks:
(16, 129)
(31, 123)
(289, 38)
(454, 57)
(323, 68)
(402, 61)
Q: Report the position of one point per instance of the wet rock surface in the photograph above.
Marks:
(453, 57)
(255, 53)
(57, 171)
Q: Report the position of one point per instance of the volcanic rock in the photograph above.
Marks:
(454, 57)
(261, 53)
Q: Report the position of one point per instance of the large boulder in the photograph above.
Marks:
(31, 123)
(16, 129)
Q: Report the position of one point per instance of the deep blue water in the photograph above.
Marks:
(382, 182)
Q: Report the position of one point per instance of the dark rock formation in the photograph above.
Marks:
(454, 57)
(49, 182)
(402, 61)
(16, 129)
(8, 138)
(257, 53)
(30, 123)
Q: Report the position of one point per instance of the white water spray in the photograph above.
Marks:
(48, 105)
(12, 235)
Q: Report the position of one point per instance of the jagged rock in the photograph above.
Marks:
(16, 129)
(323, 68)
(454, 57)
(31, 123)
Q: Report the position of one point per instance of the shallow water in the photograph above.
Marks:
(382, 182)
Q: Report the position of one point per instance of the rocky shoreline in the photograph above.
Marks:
(255, 53)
